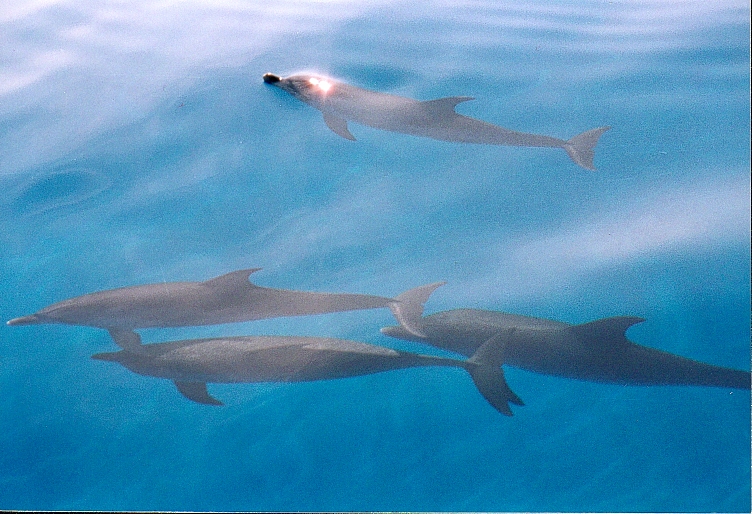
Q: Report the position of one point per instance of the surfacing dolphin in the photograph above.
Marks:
(437, 119)
(597, 351)
(228, 298)
(192, 363)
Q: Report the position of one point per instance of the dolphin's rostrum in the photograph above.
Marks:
(228, 298)
(190, 364)
(597, 351)
(436, 119)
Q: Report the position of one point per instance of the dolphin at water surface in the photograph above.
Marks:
(228, 298)
(597, 351)
(436, 119)
(190, 364)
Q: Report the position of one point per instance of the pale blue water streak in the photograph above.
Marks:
(140, 145)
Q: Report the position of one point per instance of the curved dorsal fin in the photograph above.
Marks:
(445, 105)
(232, 279)
(607, 331)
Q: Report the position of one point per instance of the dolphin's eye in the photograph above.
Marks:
(323, 85)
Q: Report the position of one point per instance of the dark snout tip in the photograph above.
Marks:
(271, 78)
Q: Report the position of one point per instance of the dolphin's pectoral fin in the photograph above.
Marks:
(606, 332)
(491, 352)
(408, 307)
(232, 280)
(443, 106)
(338, 126)
(126, 339)
(485, 370)
(196, 391)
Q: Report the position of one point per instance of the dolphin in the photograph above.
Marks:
(190, 364)
(436, 119)
(229, 298)
(597, 351)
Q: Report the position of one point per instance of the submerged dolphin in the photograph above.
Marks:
(597, 351)
(340, 103)
(191, 364)
(228, 298)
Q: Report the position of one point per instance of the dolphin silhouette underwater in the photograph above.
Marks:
(190, 364)
(436, 119)
(229, 298)
(598, 351)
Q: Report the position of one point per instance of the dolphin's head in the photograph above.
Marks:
(304, 87)
(140, 362)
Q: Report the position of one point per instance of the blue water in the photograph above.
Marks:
(138, 144)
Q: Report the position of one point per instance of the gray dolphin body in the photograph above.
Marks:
(597, 351)
(228, 298)
(191, 364)
(436, 119)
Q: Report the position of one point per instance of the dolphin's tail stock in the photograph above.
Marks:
(408, 307)
(581, 148)
(484, 367)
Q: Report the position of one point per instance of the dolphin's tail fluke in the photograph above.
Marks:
(408, 307)
(485, 369)
(32, 319)
(581, 148)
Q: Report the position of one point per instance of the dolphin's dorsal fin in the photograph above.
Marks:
(445, 105)
(196, 391)
(606, 332)
(408, 307)
(338, 126)
(232, 280)
(126, 339)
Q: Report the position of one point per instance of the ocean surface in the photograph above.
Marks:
(138, 144)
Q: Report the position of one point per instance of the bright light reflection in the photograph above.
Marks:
(323, 85)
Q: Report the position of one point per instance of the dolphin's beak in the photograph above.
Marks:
(25, 320)
(271, 78)
(111, 356)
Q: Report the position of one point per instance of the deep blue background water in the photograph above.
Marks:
(139, 144)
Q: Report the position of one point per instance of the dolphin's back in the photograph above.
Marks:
(126, 307)
(229, 298)
(640, 365)
(608, 356)
(267, 359)
(598, 351)
(465, 330)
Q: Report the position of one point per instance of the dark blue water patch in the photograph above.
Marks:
(56, 190)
